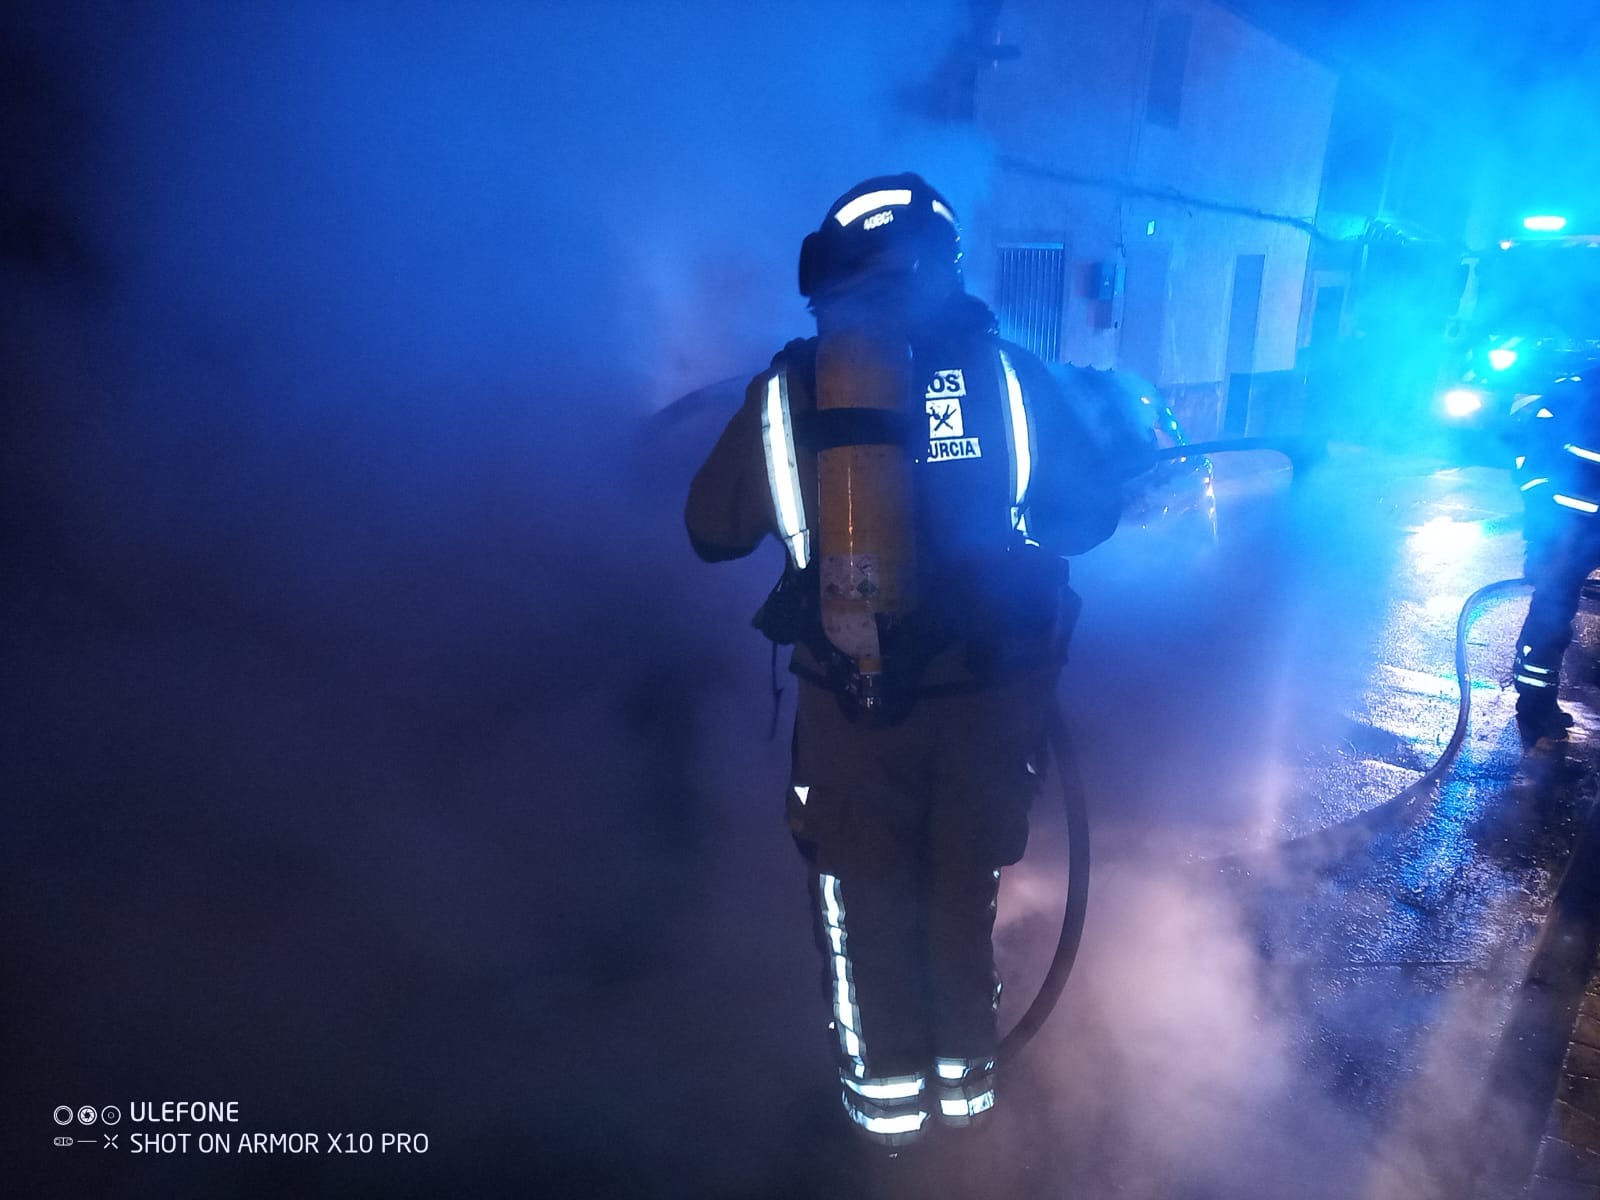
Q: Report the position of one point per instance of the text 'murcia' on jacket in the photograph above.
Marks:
(1071, 501)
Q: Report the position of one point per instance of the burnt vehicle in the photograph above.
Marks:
(1130, 421)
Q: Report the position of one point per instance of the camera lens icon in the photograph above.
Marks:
(87, 1115)
(111, 1114)
(63, 1114)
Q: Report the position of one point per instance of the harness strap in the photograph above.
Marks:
(928, 691)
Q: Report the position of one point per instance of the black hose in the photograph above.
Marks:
(1464, 621)
(1301, 453)
(1065, 763)
(1463, 684)
(1326, 846)
(1316, 844)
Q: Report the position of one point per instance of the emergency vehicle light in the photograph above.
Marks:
(1462, 402)
(1500, 358)
(1544, 223)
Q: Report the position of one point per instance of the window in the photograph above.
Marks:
(1030, 293)
(1168, 61)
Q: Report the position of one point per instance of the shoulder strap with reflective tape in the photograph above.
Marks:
(1020, 441)
(783, 472)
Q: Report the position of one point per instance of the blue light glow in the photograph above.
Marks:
(1443, 541)
(1501, 358)
(1544, 223)
(1462, 402)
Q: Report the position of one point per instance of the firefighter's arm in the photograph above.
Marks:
(729, 509)
(1074, 500)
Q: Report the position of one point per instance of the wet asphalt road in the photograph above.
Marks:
(533, 898)
(1342, 972)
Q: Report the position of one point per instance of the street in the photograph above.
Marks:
(501, 897)
(1275, 997)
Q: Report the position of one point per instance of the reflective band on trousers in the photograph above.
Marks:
(845, 1014)
(897, 1087)
(966, 1087)
(1531, 674)
(887, 1107)
(891, 1130)
(1019, 433)
(783, 473)
(952, 1107)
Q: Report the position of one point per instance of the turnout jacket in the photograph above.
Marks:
(1003, 469)
(1559, 464)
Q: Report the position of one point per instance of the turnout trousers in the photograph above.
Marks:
(1562, 550)
(905, 829)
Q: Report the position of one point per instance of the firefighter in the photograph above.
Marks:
(924, 478)
(1559, 474)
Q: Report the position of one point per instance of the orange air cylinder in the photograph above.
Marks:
(866, 545)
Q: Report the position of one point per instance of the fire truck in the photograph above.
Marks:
(1529, 315)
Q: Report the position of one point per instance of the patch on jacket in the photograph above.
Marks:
(947, 437)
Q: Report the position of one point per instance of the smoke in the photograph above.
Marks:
(377, 751)
(379, 756)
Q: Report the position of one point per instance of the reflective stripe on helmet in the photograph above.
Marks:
(783, 475)
(862, 205)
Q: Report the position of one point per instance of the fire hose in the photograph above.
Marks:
(1301, 453)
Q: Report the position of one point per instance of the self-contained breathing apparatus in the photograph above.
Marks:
(877, 602)
(880, 598)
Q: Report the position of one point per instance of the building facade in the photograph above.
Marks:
(1159, 167)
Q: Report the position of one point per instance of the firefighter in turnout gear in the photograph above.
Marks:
(1559, 474)
(925, 479)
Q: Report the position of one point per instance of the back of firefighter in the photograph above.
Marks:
(918, 734)
(1558, 471)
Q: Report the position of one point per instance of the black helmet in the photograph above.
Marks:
(895, 222)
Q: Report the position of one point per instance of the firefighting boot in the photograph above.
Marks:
(1540, 717)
